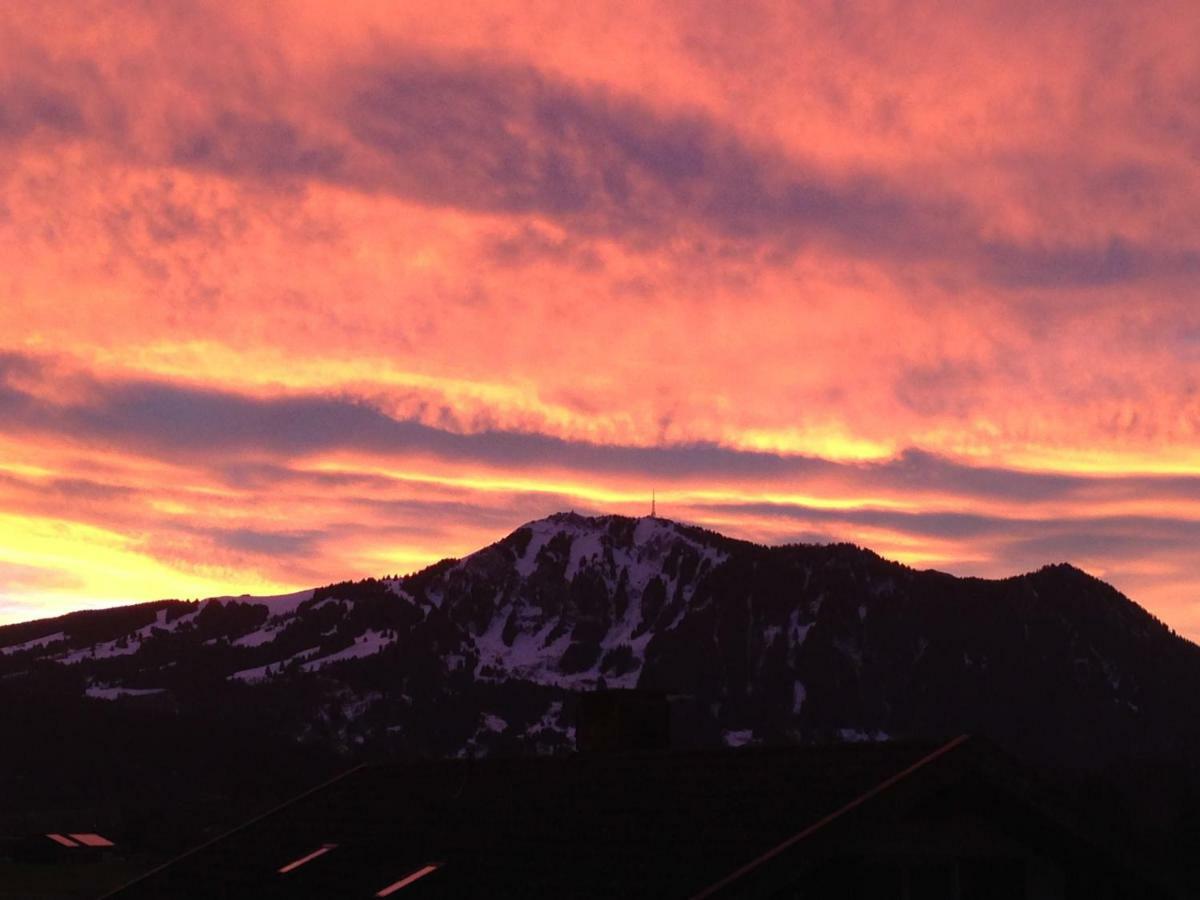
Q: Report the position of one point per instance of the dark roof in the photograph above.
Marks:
(670, 825)
(621, 825)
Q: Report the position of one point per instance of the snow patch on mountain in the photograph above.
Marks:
(105, 650)
(542, 531)
(263, 635)
(797, 631)
(738, 738)
(106, 692)
(368, 643)
(35, 644)
(261, 673)
(551, 722)
(858, 736)
(799, 695)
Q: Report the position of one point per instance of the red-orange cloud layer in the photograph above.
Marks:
(294, 293)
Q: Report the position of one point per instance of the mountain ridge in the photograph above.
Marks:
(795, 642)
(35, 625)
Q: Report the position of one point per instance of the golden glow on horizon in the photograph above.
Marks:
(99, 568)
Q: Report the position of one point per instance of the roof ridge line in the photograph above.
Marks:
(825, 820)
(232, 831)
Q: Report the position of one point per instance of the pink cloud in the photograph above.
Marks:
(288, 293)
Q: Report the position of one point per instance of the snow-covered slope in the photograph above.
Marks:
(583, 592)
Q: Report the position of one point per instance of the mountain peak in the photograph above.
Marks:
(625, 529)
(572, 519)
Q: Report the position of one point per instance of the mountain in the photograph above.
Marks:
(757, 644)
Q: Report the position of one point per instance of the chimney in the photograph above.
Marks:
(622, 721)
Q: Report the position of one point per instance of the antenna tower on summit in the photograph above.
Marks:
(653, 513)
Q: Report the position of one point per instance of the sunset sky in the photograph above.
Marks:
(300, 292)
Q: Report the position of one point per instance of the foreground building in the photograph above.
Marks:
(954, 821)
